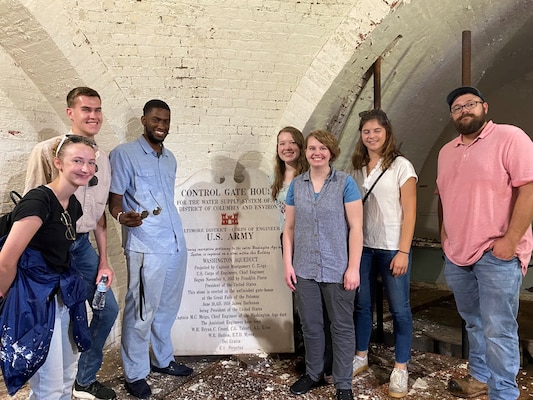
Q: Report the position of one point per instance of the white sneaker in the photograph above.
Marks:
(399, 379)
(359, 364)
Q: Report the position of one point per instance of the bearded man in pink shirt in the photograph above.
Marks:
(485, 188)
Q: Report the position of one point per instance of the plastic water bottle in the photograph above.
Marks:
(99, 295)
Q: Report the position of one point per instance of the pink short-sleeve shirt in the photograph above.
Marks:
(478, 184)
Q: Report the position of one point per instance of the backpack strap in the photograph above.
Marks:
(6, 220)
(15, 196)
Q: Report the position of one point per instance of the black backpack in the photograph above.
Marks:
(6, 220)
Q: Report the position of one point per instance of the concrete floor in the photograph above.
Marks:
(268, 377)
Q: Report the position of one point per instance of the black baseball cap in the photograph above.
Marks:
(463, 90)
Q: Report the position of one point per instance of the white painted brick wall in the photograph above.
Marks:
(233, 73)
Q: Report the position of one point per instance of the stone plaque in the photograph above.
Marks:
(235, 299)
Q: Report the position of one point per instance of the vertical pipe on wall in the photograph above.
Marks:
(467, 58)
(466, 79)
(377, 83)
(379, 286)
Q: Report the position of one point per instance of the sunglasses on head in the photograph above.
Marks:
(75, 139)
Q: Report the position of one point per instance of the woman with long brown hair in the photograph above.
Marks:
(290, 162)
(388, 182)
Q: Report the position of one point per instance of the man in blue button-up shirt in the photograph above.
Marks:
(142, 201)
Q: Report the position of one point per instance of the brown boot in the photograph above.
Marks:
(467, 387)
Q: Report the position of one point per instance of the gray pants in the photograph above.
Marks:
(339, 305)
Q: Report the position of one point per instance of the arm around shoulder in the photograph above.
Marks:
(39, 168)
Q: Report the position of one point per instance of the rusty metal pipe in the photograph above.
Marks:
(467, 58)
(466, 80)
(377, 83)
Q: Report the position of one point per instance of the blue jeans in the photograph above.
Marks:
(148, 319)
(376, 262)
(85, 260)
(487, 298)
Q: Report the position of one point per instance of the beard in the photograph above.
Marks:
(149, 134)
(472, 126)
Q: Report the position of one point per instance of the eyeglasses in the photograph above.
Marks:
(158, 209)
(467, 106)
(155, 211)
(145, 213)
(75, 139)
(70, 234)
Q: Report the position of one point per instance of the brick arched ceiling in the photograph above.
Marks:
(235, 72)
